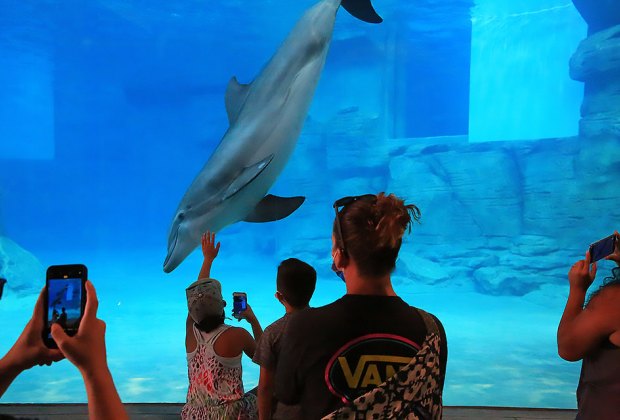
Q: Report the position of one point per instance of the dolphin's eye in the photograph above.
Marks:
(181, 216)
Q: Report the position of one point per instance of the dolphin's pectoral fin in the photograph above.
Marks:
(246, 176)
(362, 9)
(272, 208)
(235, 97)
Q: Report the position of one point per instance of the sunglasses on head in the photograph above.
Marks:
(339, 205)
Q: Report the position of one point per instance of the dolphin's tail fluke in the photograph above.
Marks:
(362, 9)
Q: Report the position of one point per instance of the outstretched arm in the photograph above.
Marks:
(257, 331)
(209, 252)
(28, 350)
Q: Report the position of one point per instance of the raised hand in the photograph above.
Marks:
(247, 314)
(581, 275)
(209, 248)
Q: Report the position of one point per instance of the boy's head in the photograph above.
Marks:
(296, 281)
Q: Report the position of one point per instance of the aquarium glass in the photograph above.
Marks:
(110, 108)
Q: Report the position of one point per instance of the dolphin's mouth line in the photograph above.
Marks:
(174, 245)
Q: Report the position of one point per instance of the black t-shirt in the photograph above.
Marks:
(332, 354)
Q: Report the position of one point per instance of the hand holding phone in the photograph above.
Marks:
(602, 248)
(86, 349)
(240, 303)
(65, 299)
(615, 256)
(29, 350)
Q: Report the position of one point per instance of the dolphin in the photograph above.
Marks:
(265, 119)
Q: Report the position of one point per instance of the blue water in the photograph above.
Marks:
(464, 108)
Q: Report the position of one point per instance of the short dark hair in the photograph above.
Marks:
(296, 281)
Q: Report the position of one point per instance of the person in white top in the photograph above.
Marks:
(214, 349)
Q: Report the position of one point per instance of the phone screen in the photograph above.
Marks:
(239, 303)
(64, 305)
(602, 248)
(65, 299)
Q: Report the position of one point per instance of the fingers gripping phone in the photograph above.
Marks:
(65, 299)
(602, 248)
(240, 303)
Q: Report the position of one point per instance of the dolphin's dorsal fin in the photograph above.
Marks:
(235, 97)
(272, 208)
(362, 9)
(246, 176)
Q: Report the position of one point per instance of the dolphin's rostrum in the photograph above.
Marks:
(265, 120)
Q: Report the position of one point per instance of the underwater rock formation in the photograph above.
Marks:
(498, 218)
(504, 218)
(24, 272)
(600, 14)
(597, 63)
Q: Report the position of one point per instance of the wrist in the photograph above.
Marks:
(578, 288)
(95, 372)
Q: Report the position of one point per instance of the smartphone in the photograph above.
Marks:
(602, 248)
(240, 303)
(2, 283)
(65, 299)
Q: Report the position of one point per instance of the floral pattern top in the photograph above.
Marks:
(215, 385)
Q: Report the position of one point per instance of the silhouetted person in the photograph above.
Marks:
(62, 319)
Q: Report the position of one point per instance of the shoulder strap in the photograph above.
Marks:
(216, 333)
(429, 321)
(198, 334)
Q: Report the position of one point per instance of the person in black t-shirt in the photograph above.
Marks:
(340, 356)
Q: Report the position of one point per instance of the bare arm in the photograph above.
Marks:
(190, 338)
(28, 350)
(103, 400)
(265, 393)
(209, 252)
(257, 331)
(582, 329)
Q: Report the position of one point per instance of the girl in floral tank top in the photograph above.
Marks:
(214, 349)
(215, 385)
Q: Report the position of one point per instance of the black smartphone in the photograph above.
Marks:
(602, 248)
(2, 283)
(65, 299)
(240, 303)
